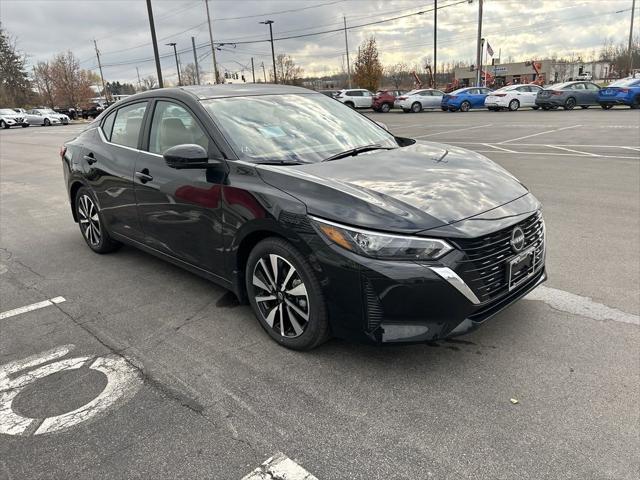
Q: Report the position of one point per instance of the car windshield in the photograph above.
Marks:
(460, 90)
(626, 82)
(6, 111)
(294, 127)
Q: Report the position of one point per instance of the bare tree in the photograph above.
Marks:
(288, 72)
(398, 74)
(367, 68)
(149, 83)
(189, 75)
(43, 81)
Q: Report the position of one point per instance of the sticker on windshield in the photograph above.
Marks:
(272, 132)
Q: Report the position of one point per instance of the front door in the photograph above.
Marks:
(591, 93)
(179, 209)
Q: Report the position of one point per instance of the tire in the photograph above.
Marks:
(444, 109)
(25, 125)
(46, 122)
(570, 103)
(636, 102)
(416, 107)
(465, 106)
(385, 107)
(606, 106)
(514, 105)
(406, 110)
(584, 107)
(546, 107)
(91, 223)
(536, 107)
(453, 109)
(350, 104)
(271, 304)
(4, 125)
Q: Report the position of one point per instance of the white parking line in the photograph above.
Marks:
(637, 149)
(573, 151)
(539, 133)
(452, 131)
(498, 148)
(279, 467)
(579, 305)
(555, 154)
(30, 308)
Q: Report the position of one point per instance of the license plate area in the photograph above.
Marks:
(521, 267)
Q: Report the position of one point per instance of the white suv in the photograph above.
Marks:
(356, 98)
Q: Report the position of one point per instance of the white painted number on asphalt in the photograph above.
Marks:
(123, 382)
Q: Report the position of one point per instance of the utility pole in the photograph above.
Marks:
(213, 47)
(633, 7)
(155, 44)
(273, 54)
(104, 89)
(479, 45)
(346, 45)
(435, 42)
(264, 72)
(195, 59)
(139, 82)
(175, 53)
(253, 71)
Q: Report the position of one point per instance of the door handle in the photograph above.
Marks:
(144, 176)
(90, 158)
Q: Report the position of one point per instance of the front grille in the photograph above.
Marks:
(484, 267)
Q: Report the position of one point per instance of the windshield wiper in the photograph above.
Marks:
(355, 151)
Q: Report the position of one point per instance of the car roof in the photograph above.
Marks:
(203, 92)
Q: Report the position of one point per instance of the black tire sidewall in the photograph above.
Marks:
(317, 329)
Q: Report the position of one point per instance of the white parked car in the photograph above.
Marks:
(355, 97)
(417, 100)
(513, 97)
(46, 117)
(9, 118)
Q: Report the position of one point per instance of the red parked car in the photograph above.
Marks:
(383, 100)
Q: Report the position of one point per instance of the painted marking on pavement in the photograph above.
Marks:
(573, 151)
(123, 381)
(279, 467)
(30, 308)
(579, 305)
(452, 131)
(558, 154)
(539, 133)
(498, 148)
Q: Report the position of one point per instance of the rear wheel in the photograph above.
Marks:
(385, 107)
(570, 103)
(286, 296)
(3, 124)
(92, 224)
(416, 107)
(465, 106)
(514, 105)
(46, 122)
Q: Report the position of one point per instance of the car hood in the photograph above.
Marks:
(410, 189)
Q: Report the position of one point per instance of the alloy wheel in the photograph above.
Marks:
(465, 107)
(570, 103)
(281, 296)
(514, 105)
(89, 220)
(385, 108)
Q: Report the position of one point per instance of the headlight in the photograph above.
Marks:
(382, 245)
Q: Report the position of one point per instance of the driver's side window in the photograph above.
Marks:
(174, 125)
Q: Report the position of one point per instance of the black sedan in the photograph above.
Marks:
(326, 223)
(568, 95)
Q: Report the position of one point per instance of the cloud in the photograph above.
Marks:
(522, 30)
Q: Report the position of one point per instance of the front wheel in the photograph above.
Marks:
(286, 296)
(514, 105)
(46, 122)
(465, 106)
(3, 124)
(416, 107)
(385, 107)
(92, 224)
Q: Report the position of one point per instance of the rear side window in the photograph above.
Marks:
(174, 125)
(107, 125)
(354, 93)
(127, 125)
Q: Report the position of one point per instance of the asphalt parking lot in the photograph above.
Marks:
(190, 386)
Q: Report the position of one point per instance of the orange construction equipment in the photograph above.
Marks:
(418, 83)
(539, 80)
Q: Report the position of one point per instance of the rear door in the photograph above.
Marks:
(532, 94)
(366, 100)
(109, 160)
(179, 209)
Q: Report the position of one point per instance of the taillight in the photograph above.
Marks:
(555, 92)
(499, 94)
(453, 96)
(402, 98)
(63, 151)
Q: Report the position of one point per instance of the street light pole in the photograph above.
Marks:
(175, 52)
(213, 47)
(273, 54)
(346, 45)
(633, 7)
(253, 71)
(435, 42)
(155, 44)
(479, 45)
(195, 59)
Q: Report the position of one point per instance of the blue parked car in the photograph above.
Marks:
(621, 92)
(464, 99)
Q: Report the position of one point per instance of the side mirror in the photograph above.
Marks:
(188, 155)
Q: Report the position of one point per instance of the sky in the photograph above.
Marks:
(520, 29)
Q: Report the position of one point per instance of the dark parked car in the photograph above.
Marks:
(287, 198)
(92, 110)
(384, 100)
(568, 95)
